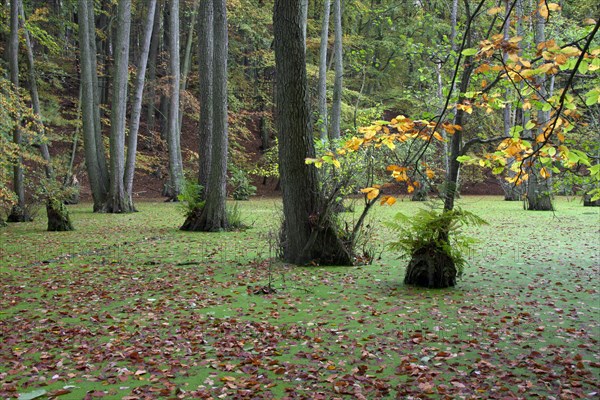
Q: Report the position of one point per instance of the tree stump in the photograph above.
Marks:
(58, 217)
(587, 201)
(19, 214)
(431, 267)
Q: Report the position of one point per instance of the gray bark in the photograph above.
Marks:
(136, 107)
(152, 59)
(117, 201)
(511, 191)
(322, 88)
(304, 16)
(194, 221)
(173, 133)
(18, 213)
(453, 19)
(307, 233)
(440, 94)
(214, 216)
(92, 139)
(336, 108)
(187, 57)
(206, 37)
(57, 213)
(101, 153)
(539, 190)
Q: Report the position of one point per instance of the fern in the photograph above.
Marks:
(430, 228)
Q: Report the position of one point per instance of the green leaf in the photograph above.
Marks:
(464, 159)
(583, 158)
(530, 125)
(515, 131)
(32, 395)
(583, 67)
(469, 52)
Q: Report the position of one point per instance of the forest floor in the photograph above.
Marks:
(129, 307)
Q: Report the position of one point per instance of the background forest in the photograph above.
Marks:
(118, 65)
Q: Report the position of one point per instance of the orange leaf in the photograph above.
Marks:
(388, 200)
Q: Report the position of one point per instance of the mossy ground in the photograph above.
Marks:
(128, 306)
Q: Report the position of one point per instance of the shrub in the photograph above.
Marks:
(435, 243)
(190, 199)
(241, 184)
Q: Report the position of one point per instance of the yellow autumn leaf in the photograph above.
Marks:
(410, 188)
(430, 174)
(543, 9)
(544, 173)
(560, 59)
(515, 39)
(494, 10)
(553, 7)
(388, 200)
(371, 192)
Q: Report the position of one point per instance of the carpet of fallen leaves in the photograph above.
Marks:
(135, 309)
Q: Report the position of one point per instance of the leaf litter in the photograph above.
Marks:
(192, 316)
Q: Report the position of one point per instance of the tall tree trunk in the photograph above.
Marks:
(336, 108)
(307, 232)
(214, 216)
(92, 139)
(57, 213)
(19, 211)
(173, 133)
(511, 191)
(152, 59)
(117, 201)
(205, 65)
(322, 89)
(187, 56)
(440, 94)
(304, 16)
(453, 22)
(539, 189)
(136, 107)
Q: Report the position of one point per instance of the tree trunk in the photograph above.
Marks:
(429, 267)
(214, 216)
(336, 108)
(322, 89)
(587, 201)
(187, 58)
(512, 192)
(55, 210)
(152, 59)
(58, 216)
(173, 133)
(539, 189)
(205, 60)
(19, 210)
(96, 168)
(117, 201)
(308, 234)
(304, 16)
(136, 107)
